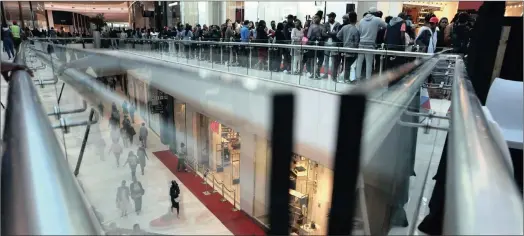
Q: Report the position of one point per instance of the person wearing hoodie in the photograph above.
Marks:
(427, 35)
(368, 28)
(332, 28)
(350, 37)
(316, 33)
(394, 39)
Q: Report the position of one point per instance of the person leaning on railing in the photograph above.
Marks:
(12, 67)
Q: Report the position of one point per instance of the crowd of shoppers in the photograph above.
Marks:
(396, 33)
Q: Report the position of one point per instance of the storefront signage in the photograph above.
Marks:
(158, 99)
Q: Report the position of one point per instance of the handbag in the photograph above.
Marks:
(177, 199)
(304, 40)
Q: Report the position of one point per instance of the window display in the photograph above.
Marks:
(221, 155)
(180, 124)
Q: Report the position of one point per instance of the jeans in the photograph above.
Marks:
(138, 204)
(369, 65)
(9, 48)
(133, 171)
(316, 57)
(114, 43)
(348, 62)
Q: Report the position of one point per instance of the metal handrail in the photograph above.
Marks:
(277, 45)
(481, 195)
(40, 195)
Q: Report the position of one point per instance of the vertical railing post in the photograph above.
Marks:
(84, 143)
(347, 163)
(282, 147)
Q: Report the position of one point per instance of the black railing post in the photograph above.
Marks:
(347, 163)
(282, 148)
(84, 142)
(60, 95)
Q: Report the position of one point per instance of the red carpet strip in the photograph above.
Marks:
(237, 222)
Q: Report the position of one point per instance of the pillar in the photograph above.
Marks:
(22, 24)
(4, 19)
(216, 13)
(74, 22)
(49, 19)
(32, 15)
(363, 7)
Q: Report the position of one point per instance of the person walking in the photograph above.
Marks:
(142, 156)
(7, 39)
(125, 137)
(100, 148)
(125, 109)
(137, 191)
(142, 136)
(132, 160)
(174, 193)
(131, 133)
(117, 151)
(122, 199)
(132, 109)
(16, 31)
(115, 135)
(182, 154)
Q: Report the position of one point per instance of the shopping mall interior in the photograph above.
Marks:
(178, 109)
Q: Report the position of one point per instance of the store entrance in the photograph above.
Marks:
(223, 157)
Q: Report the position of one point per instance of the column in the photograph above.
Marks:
(74, 22)
(363, 7)
(49, 19)
(165, 14)
(216, 13)
(32, 15)
(4, 20)
(22, 24)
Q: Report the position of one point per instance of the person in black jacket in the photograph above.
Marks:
(288, 27)
(262, 37)
(332, 27)
(137, 191)
(395, 40)
(174, 193)
(276, 55)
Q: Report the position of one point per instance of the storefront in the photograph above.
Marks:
(138, 92)
(221, 154)
(310, 192)
(156, 106)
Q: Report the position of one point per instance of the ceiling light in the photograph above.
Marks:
(173, 4)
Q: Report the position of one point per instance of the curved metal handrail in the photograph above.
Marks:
(40, 195)
(481, 194)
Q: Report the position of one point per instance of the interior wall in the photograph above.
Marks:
(202, 13)
(247, 171)
(262, 164)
